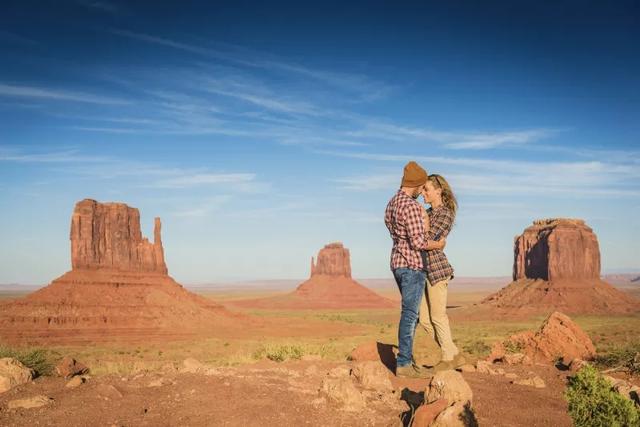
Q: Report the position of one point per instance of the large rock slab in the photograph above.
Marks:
(13, 373)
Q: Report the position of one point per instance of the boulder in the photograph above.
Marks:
(342, 392)
(68, 367)
(425, 414)
(533, 381)
(75, 382)
(30, 402)
(483, 367)
(558, 336)
(13, 373)
(467, 368)
(372, 376)
(449, 385)
(456, 415)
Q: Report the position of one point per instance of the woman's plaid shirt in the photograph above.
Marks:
(438, 267)
(403, 218)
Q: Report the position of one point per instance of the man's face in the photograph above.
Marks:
(416, 192)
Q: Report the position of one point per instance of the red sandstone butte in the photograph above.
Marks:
(557, 267)
(330, 286)
(118, 287)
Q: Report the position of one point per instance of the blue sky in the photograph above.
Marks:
(259, 133)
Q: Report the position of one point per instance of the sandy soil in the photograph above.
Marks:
(267, 394)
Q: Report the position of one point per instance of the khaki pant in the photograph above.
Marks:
(434, 320)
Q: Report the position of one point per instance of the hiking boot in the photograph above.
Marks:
(411, 371)
(459, 360)
(443, 365)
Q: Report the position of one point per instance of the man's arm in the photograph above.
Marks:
(415, 230)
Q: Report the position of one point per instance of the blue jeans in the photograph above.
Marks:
(411, 285)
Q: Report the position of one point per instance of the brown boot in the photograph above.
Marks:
(411, 371)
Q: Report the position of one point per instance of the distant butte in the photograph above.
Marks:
(330, 286)
(118, 286)
(557, 267)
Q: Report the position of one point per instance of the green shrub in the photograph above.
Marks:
(592, 402)
(477, 348)
(513, 346)
(36, 359)
(625, 357)
(278, 353)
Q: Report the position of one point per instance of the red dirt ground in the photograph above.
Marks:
(268, 394)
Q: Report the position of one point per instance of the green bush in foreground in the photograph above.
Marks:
(592, 403)
(36, 359)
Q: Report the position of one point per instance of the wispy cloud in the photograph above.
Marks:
(200, 179)
(57, 95)
(474, 176)
(11, 154)
(366, 88)
(456, 140)
(204, 208)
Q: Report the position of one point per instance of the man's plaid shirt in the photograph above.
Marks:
(438, 267)
(403, 218)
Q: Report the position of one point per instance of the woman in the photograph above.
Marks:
(438, 221)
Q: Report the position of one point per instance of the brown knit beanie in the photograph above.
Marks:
(414, 175)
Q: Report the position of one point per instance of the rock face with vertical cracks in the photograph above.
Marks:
(108, 236)
(118, 287)
(557, 267)
(330, 286)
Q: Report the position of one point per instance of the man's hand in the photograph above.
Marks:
(440, 244)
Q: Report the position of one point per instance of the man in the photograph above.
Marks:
(404, 219)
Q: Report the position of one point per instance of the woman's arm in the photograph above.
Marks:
(440, 224)
(426, 220)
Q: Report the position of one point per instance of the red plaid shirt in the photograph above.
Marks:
(438, 267)
(403, 218)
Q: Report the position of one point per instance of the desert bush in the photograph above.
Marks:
(592, 402)
(513, 346)
(625, 357)
(476, 347)
(34, 358)
(278, 353)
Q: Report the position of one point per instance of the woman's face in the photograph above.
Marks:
(431, 193)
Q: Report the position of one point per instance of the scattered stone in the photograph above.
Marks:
(108, 391)
(482, 366)
(497, 352)
(159, 382)
(13, 373)
(30, 402)
(511, 376)
(75, 381)
(516, 359)
(338, 372)
(68, 367)
(342, 392)
(372, 376)
(192, 366)
(576, 364)
(457, 415)
(467, 368)
(534, 381)
(425, 414)
(449, 385)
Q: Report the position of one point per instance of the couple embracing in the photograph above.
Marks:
(420, 267)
